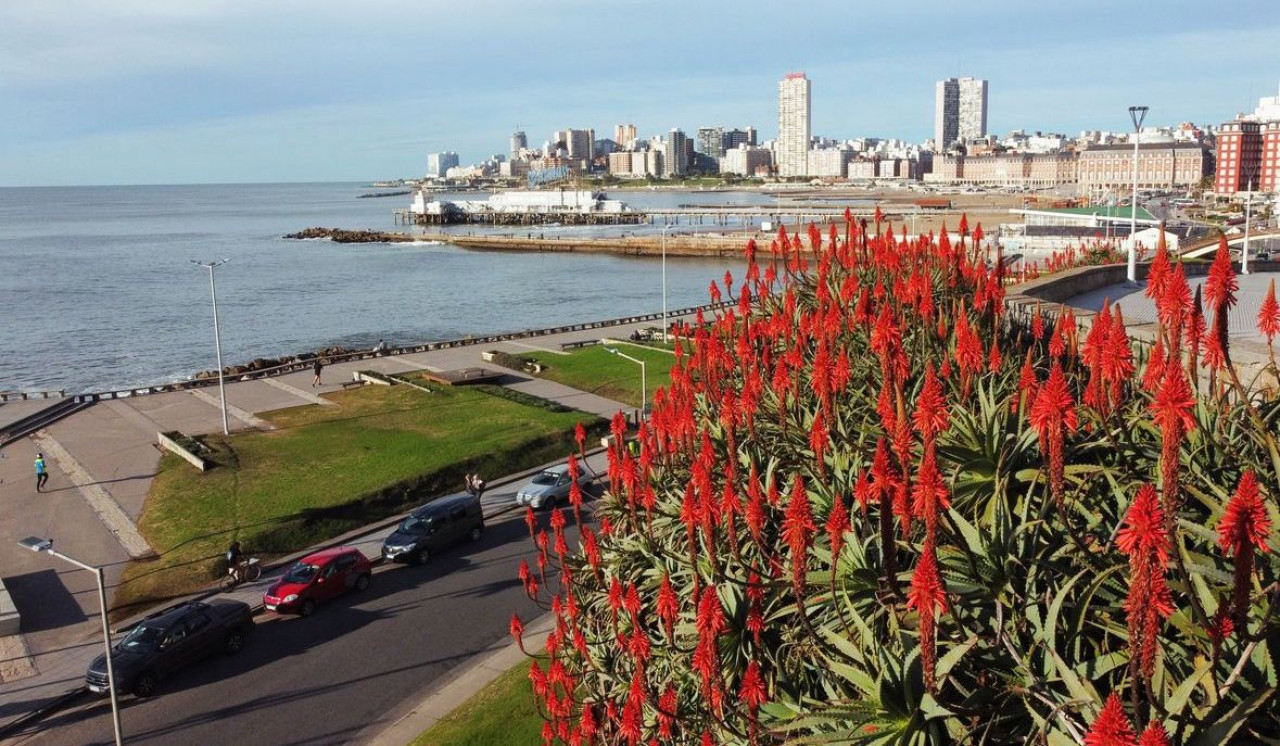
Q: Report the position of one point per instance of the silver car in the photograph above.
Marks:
(550, 488)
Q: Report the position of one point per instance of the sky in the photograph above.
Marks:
(227, 91)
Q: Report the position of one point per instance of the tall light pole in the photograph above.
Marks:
(665, 228)
(1137, 114)
(644, 390)
(217, 338)
(1248, 215)
(36, 544)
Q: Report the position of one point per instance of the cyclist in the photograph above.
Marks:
(235, 560)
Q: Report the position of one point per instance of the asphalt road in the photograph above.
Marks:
(340, 676)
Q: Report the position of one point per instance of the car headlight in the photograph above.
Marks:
(289, 598)
(397, 549)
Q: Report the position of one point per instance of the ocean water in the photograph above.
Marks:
(97, 290)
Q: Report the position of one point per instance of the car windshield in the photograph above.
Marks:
(546, 477)
(416, 525)
(301, 573)
(142, 638)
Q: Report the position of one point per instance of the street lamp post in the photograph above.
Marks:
(644, 389)
(1248, 215)
(217, 339)
(665, 228)
(45, 546)
(1137, 114)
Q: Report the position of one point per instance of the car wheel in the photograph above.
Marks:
(145, 684)
(362, 582)
(476, 533)
(422, 557)
(234, 642)
(308, 607)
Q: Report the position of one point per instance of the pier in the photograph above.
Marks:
(730, 216)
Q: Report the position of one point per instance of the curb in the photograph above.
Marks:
(42, 712)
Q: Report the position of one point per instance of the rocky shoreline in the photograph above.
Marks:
(341, 235)
(263, 363)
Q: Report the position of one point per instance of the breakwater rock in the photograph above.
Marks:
(258, 364)
(341, 235)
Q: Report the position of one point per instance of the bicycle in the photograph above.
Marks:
(246, 571)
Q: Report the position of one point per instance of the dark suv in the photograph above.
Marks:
(169, 641)
(433, 527)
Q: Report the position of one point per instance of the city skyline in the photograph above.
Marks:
(149, 92)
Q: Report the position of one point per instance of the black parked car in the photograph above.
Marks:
(169, 641)
(433, 527)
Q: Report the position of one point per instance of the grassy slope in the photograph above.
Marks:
(284, 490)
(595, 370)
(504, 712)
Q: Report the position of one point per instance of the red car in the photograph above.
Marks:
(317, 578)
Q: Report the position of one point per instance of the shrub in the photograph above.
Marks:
(872, 508)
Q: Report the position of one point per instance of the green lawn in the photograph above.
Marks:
(328, 470)
(593, 369)
(504, 712)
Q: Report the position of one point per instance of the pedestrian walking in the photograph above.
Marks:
(316, 368)
(42, 473)
(477, 486)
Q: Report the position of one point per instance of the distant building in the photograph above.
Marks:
(625, 135)
(677, 153)
(1160, 166)
(438, 164)
(711, 141)
(519, 142)
(1031, 170)
(735, 137)
(794, 128)
(746, 160)
(828, 162)
(960, 111)
(620, 162)
(1269, 179)
(1239, 157)
(578, 144)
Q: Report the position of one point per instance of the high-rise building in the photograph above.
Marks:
(711, 141)
(735, 137)
(518, 143)
(677, 153)
(579, 143)
(792, 147)
(960, 111)
(1239, 157)
(439, 163)
(625, 135)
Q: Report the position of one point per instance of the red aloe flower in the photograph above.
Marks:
(1244, 527)
(668, 607)
(1220, 289)
(1269, 314)
(517, 631)
(752, 690)
(1154, 735)
(1112, 728)
(1028, 384)
(837, 525)
(798, 529)
(930, 416)
(1146, 542)
(1052, 414)
(1154, 373)
(1158, 275)
(928, 597)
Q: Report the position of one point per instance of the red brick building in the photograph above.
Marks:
(1239, 157)
(1269, 176)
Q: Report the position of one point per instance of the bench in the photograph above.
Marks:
(578, 344)
(351, 384)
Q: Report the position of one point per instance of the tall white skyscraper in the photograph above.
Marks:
(960, 111)
(793, 125)
(519, 141)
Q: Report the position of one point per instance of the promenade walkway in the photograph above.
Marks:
(102, 463)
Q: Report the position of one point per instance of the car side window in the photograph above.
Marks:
(197, 623)
(564, 479)
(176, 634)
(346, 562)
(458, 513)
(329, 570)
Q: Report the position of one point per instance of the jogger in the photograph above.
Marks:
(42, 472)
